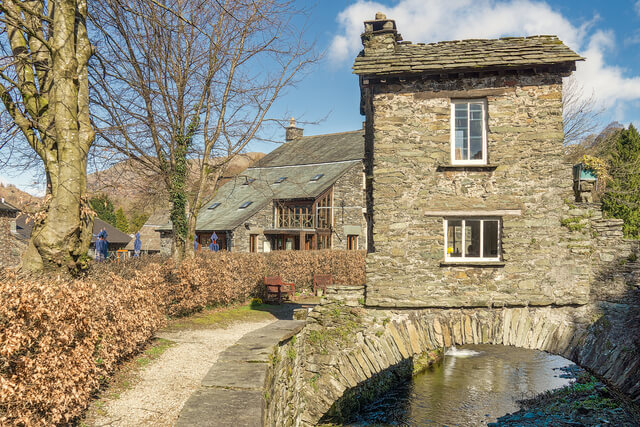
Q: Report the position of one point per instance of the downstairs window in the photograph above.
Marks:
(472, 239)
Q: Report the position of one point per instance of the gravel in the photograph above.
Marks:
(165, 384)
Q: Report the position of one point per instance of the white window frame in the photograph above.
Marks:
(466, 259)
(483, 102)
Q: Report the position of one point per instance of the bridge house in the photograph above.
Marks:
(466, 181)
(306, 194)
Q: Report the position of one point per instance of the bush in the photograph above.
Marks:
(60, 338)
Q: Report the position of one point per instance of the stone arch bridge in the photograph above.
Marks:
(348, 353)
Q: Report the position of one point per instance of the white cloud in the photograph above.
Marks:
(637, 7)
(435, 20)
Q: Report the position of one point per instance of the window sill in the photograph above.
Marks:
(479, 264)
(487, 168)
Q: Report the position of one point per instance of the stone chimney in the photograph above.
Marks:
(293, 132)
(380, 36)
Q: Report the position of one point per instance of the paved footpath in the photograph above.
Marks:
(231, 394)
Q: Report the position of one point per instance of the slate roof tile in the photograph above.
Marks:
(506, 52)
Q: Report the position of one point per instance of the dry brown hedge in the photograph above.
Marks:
(61, 338)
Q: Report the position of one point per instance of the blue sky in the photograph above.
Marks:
(606, 33)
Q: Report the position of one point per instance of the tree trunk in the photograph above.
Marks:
(62, 230)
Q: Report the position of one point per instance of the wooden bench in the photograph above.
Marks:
(322, 281)
(277, 290)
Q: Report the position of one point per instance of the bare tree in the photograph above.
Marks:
(44, 88)
(581, 112)
(184, 83)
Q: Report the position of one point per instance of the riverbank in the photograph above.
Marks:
(585, 402)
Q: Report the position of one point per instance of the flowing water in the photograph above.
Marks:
(474, 385)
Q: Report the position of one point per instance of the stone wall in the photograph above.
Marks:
(12, 248)
(411, 181)
(258, 222)
(347, 356)
(349, 189)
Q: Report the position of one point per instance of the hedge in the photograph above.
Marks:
(61, 338)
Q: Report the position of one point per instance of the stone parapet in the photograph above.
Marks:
(234, 391)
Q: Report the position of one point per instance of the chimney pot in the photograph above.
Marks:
(380, 36)
(292, 132)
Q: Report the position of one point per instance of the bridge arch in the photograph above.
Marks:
(378, 346)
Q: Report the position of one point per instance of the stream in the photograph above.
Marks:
(474, 385)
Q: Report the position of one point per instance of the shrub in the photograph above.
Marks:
(60, 338)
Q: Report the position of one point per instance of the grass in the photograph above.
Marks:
(221, 317)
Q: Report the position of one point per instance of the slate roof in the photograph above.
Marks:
(8, 207)
(149, 237)
(299, 160)
(24, 226)
(467, 55)
(307, 150)
(261, 192)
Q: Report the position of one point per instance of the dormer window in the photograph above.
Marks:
(468, 132)
(248, 181)
(245, 205)
(280, 180)
(317, 177)
(214, 205)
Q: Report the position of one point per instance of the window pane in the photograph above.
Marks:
(454, 238)
(461, 144)
(472, 238)
(461, 132)
(490, 239)
(476, 148)
(475, 131)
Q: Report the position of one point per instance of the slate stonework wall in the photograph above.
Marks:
(12, 248)
(349, 189)
(408, 127)
(261, 220)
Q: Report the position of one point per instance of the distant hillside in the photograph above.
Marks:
(599, 145)
(137, 191)
(18, 198)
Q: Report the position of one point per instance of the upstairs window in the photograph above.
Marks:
(248, 181)
(214, 205)
(280, 180)
(317, 177)
(472, 239)
(245, 205)
(468, 132)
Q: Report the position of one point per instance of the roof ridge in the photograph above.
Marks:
(334, 133)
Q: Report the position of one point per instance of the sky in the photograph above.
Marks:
(607, 34)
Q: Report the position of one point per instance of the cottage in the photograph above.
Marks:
(465, 171)
(11, 246)
(116, 238)
(307, 194)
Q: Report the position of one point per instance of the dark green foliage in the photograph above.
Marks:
(122, 223)
(137, 221)
(103, 207)
(622, 197)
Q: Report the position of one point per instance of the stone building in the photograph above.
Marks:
(306, 194)
(466, 181)
(9, 241)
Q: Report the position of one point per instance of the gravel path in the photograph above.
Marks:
(166, 384)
